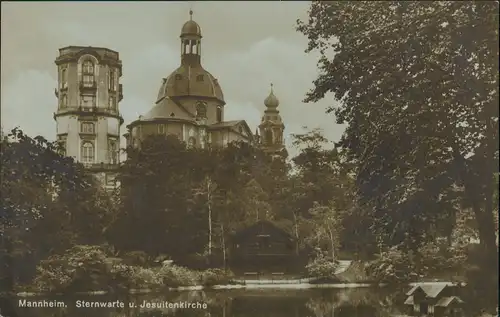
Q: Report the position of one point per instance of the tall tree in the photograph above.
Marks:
(418, 88)
(157, 183)
(49, 203)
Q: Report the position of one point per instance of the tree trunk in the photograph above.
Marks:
(484, 217)
(296, 233)
(332, 242)
(209, 202)
(223, 245)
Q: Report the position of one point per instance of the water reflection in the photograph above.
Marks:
(361, 302)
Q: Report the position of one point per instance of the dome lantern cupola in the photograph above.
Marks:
(271, 101)
(191, 42)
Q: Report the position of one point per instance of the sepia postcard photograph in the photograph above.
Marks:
(249, 159)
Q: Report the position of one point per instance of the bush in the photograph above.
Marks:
(392, 266)
(136, 258)
(173, 276)
(80, 268)
(213, 277)
(322, 268)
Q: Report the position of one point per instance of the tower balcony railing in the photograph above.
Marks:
(87, 86)
(87, 109)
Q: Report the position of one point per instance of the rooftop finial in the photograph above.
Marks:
(190, 14)
(271, 87)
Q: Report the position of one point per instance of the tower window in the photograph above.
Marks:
(88, 67)
(63, 78)
(88, 152)
(112, 102)
(199, 77)
(219, 114)
(161, 129)
(178, 77)
(88, 76)
(111, 80)
(87, 127)
(201, 110)
(191, 142)
(194, 47)
(269, 137)
(113, 152)
(62, 142)
(64, 101)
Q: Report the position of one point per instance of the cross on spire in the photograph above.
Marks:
(191, 10)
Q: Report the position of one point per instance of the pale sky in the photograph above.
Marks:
(246, 45)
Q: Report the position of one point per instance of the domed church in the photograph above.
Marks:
(190, 105)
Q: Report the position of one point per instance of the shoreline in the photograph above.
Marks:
(230, 287)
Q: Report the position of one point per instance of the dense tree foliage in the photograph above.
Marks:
(417, 85)
(49, 203)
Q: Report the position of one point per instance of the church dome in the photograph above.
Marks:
(191, 27)
(193, 81)
(271, 101)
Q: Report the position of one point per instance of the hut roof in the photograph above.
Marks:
(430, 290)
(261, 228)
(446, 301)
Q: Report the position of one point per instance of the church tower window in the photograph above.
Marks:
(88, 155)
(191, 142)
(199, 77)
(269, 137)
(201, 110)
(219, 114)
(161, 129)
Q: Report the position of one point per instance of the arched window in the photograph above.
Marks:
(88, 75)
(269, 137)
(201, 110)
(161, 129)
(88, 152)
(219, 114)
(191, 142)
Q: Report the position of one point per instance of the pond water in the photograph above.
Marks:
(355, 302)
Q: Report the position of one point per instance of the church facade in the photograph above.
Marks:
(190, 106)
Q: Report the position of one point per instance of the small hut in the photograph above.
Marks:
(434, 300)
(263, 247)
